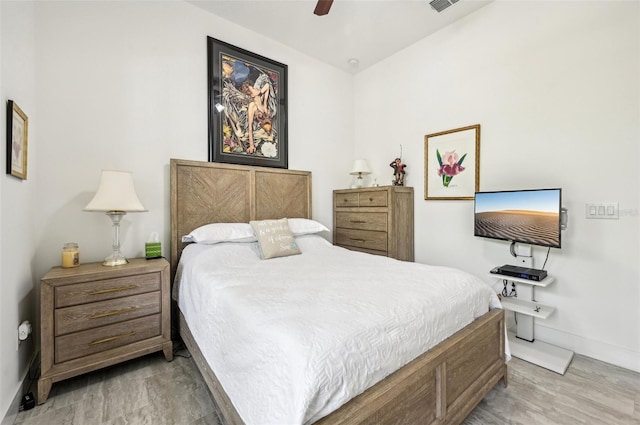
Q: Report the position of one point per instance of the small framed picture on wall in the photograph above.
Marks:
(17, 139)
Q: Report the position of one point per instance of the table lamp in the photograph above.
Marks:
(116, 196)
(360, 167)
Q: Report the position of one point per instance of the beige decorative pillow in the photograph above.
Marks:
(275, 238)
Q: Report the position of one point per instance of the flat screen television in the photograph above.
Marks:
(521, 216)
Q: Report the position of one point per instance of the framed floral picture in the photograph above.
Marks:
(452, 164)
(247, 107)
(17, 138)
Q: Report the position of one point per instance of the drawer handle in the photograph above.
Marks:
(357, 240)
(112, 338)
(107, 291)
(358, 221)
(113, 313)
(370, 199)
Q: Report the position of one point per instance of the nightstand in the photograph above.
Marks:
(94, 316)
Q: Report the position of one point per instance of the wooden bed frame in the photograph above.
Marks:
(442, 386)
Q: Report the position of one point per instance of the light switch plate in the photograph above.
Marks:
(602, 210)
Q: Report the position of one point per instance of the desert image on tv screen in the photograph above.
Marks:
(528, 216)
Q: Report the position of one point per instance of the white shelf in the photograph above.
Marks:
(537, 352)
(527, 347)
(530, 308)
(543, 283)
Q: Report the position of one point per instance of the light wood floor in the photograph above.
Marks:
(151, 391)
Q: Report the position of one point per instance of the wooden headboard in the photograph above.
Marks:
(209, 192)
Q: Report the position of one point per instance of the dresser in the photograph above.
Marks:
(377, 220)
(94, 316)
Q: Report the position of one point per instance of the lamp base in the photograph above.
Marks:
(115, 260)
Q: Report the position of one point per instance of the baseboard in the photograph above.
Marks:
(599, 350)
(12, 413)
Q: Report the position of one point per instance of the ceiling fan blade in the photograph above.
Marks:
(322, 7)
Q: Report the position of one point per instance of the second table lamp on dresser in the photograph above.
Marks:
(360, 168)
(116, 196)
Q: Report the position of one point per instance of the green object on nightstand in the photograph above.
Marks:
(153, 249)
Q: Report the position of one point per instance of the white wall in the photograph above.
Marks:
(556, 90)
(17, 252)
(123, 85)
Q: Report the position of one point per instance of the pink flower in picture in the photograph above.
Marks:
(450, 165)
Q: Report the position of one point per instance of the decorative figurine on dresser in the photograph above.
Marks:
(94, 316)
(398, 171)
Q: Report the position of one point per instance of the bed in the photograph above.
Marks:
(440, 385)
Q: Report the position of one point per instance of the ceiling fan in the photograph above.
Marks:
(322, 7)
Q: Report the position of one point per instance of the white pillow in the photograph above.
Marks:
(221, 232)
(304, 226)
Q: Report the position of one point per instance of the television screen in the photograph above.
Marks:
(524, 216)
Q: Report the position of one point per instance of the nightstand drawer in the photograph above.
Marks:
(362, 221)
(85, 343)
(93, 315)
(362, 238)
(106, 289)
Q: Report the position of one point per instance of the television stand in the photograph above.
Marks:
(523, 343)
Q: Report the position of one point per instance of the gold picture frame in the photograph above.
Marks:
(452, 164)
(17, 140)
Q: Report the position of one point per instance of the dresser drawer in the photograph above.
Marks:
(376, 198)
(362, 221)
(80, 344)
(100, 290)
(361, 238)
(347, 199)
(93, 315)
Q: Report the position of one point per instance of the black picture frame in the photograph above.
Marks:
(17, 140)
(247, 97)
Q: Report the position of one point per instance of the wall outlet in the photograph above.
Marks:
(24, 330)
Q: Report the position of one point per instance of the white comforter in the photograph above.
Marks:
(291, 339)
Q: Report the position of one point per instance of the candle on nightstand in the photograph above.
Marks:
(70, 255)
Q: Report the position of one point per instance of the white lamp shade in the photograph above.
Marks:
(115, 193)
(360, 166)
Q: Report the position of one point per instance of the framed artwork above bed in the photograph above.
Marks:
(247, 107)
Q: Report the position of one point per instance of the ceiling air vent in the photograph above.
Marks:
(440, 5)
